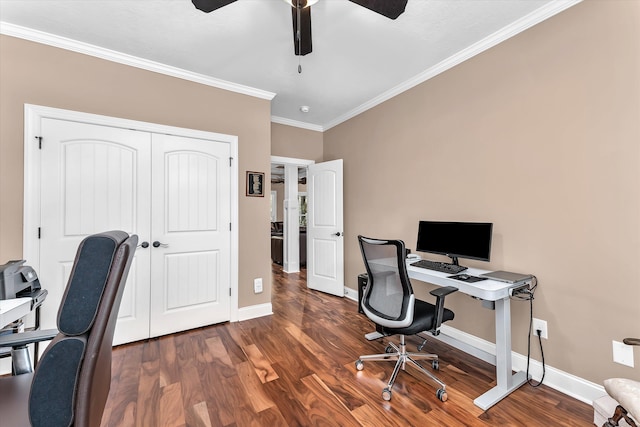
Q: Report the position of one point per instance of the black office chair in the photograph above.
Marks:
(71, 383)
(388, 300)
(627, 393)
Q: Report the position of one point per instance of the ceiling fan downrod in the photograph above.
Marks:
(298, 35)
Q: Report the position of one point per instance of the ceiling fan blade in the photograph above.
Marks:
(301, 27)
(389, 8)
(210, 5)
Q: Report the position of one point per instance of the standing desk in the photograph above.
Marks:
(499, 294)
(13, 309)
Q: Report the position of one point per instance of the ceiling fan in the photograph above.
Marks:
(301, 15)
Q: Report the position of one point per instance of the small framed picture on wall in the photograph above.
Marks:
(255, 184)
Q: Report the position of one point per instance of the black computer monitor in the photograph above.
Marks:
(456, 239)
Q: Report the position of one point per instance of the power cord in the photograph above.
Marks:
(527, 295)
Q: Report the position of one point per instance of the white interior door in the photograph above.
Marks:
(167, 189)
(325, 226)
(94, 178)
(190, 263)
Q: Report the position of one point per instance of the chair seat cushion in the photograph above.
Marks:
(626, 392)
(423, 318)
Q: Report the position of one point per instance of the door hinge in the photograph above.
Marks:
(230, 161)
(39, 138)
(39, 232)
(229, 226)
(229, 291)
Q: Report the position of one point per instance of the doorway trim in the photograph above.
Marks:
(33, 115)
(291, 249)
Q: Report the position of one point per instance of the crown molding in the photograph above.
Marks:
(296, 123)
(121, 58)
(534, 18)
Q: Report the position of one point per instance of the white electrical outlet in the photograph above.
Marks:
(623, 353)
(542, 326)
(257, 285)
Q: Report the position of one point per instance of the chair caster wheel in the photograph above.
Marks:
(386, 394)
(389, 349)
(442, 395)
(359, 365)
(435, 364)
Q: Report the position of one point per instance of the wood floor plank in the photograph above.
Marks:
(296, 368)
(121, 403)
(322, 406)
(198, 415)
(168, 368)
(261, 365)
(148, 393)
(251, 384)
(171, 407)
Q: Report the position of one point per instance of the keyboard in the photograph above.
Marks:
(442, 267)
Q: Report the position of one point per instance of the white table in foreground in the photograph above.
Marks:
(13, 309)
(498, 293)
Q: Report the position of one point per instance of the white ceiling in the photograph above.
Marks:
(359, 58)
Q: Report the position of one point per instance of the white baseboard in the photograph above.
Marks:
(351, 293)
(564, 382)
(253, 311)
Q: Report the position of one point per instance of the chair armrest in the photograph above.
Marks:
(440, 294)
(443, 291)
(23, 338)
(631, 341)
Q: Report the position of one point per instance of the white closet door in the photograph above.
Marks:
(191, 247)
(94, 178)
(167, 189)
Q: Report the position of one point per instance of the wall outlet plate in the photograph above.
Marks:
(623, 353)
(542, 325)
(257, 285)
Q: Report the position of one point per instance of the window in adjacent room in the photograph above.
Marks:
(274, 206)
(302, 209)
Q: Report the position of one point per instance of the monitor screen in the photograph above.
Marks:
(456, 239)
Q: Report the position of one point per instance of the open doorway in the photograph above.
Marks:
(289, 212)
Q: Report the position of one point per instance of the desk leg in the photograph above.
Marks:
(506, 381)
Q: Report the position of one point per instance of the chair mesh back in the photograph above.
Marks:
(386, 290)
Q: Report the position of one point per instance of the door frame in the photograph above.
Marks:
(291, 246)
(33, 115)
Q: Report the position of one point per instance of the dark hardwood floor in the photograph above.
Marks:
(296, 368)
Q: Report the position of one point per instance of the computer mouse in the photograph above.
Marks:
(463, 276)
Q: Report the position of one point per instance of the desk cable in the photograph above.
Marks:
(527, 295)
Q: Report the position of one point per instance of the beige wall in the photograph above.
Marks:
(541, 136)
(289, 141)
(297, 143)
(37, 74)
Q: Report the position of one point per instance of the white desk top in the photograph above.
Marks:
(13, 309)
(490, 290)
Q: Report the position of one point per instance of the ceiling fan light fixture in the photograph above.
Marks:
(303, 3)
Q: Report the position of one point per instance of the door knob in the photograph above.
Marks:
(338, 234)
(157, 244)
(144, 245)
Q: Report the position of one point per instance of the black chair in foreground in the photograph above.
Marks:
(388, 300)
(71, 383)
(627, 393)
